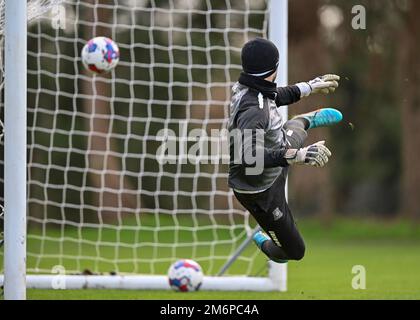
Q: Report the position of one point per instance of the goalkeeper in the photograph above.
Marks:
(272, 144)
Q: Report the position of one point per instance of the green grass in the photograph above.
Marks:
(393, 272)
(390, 252)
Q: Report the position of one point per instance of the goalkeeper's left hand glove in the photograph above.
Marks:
(316, 155)
(324, 84)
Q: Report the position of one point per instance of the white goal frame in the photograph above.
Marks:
(15, 280)
(15, 49)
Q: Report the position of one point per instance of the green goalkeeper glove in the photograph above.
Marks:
(316, 155)
(324, 84)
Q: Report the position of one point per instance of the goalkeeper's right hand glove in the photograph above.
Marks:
(325, 84)
(316, 155)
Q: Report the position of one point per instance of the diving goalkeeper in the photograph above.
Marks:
(254, 114)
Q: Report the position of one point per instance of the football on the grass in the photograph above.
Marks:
(185, 276)
(100, 55)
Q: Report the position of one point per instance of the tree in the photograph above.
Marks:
(104, 168)
(409, 79)
(311, 188)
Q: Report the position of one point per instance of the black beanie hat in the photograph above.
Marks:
(260, 58)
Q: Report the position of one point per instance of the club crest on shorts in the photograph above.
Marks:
(277, 214)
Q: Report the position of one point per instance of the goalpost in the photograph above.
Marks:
(15, 33)
(102, 211)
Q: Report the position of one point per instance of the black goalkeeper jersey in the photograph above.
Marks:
(254, 108)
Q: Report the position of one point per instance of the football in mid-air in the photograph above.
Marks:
(185, 276)
(100, 55)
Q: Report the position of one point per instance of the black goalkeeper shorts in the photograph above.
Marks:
(271, 211)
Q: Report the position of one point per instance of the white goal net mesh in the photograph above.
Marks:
(99, 201)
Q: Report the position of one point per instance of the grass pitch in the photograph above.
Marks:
(390, 253)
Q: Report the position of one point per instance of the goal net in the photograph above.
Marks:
(103, 201)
